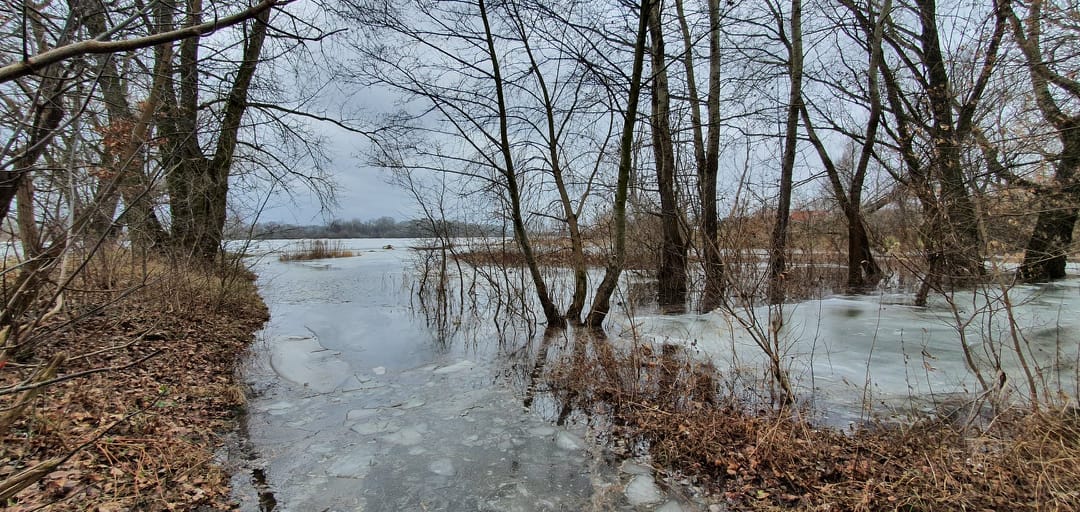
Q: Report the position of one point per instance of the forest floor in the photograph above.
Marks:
(141, 432)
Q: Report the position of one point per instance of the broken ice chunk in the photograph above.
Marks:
(642, 490)
(443, 467)
(569, 442)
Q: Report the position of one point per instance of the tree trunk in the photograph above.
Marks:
(706, 153)
(955, 226)
(199, 185)
(602, 301)
(863, 270)
(1048, 248)
(951, 233)
(778, 246)
(509, 171)
(213, 217)
(671, 275)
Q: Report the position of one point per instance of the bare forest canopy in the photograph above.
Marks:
(383, 227)
(638, 131)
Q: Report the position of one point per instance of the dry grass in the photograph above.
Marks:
(150, 429)
(550, 257)
(757, 459)
(316, 250)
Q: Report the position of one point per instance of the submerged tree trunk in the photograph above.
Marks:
(1048, 247)
(577, 244)
(602, 301)
(672, 275)
(706, 153)
(778, 246)
(951, 232)
(957, 245)
(509, 172)
(862, 268)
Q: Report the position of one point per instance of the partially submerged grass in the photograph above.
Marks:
(671, 409)
(316, 250)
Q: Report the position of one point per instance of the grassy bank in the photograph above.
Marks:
(154, 345)
(752, 457)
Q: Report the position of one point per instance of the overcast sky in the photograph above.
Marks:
(362, 191)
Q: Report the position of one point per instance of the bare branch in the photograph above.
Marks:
(96, 46)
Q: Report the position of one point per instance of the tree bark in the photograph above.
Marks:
(778, 245)
(671, 275)
(602, 300)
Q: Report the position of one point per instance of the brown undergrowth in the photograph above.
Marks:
(169, 337)
(549, 252)
(661, 404)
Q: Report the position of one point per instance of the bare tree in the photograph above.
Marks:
(48, 117)
(862, 269)
(931, 139)
(778, 246)
(1055, 91)
(617, 259)
(199, 180)
(672, 274)
(466, 90)
(706, 149)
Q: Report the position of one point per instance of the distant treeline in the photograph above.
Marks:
(383, 227)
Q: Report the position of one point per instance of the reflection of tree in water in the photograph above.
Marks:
(458, 299)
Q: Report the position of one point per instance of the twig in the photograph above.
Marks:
(50, 382)
(15, 483)
(118, 347)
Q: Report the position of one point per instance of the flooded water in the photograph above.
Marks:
(357, 405)
(856, 358)
(359, 402)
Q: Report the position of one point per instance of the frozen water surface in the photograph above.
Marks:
(356, 406)
(850, 353)
(359, 404)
